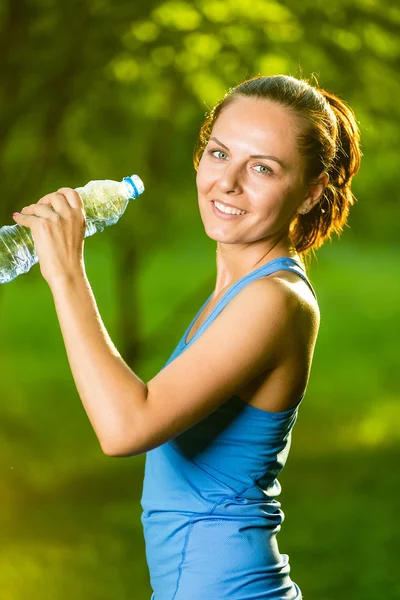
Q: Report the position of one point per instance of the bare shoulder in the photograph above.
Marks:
(297, 288)
(279, 388)
(244, 340)
(299, 318)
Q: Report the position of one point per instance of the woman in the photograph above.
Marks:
(281, 154)
(275, 160)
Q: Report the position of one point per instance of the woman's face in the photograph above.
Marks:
(270, 189)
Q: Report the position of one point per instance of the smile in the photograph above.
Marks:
(226, 215)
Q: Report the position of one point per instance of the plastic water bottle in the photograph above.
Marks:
(104, 202)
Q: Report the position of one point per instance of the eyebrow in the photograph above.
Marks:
(267, 156)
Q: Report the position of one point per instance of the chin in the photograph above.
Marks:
(218, 236)
(212, 234)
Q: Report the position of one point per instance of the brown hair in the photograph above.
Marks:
(329, 140)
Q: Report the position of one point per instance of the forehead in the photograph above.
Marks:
(258, 126)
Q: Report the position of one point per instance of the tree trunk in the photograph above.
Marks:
(128, 310)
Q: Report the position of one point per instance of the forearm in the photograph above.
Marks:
(111, 393)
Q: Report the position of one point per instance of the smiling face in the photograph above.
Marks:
(231, 171)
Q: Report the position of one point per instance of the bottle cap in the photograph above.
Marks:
(134, 185)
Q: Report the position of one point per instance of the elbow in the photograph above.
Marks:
(119, 448)
(121, 438)
(110, 440)
(109, 450)
(106, 447)
(117, 453)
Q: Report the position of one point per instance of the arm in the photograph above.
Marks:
(131, 417)
(111, 393)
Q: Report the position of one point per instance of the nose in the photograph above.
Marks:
(229, 180)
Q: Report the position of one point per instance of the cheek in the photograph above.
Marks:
(273, 200)
(200, 184)
(203, 179)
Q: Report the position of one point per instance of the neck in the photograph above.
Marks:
(234, 261)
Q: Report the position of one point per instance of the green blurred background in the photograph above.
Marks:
(99, 90)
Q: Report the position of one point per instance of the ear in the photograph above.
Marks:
(314, 192)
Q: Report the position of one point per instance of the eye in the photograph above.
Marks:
(267, 170)
(212, 152)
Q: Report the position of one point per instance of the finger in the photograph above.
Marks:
(61, 202)
(72, 197)
(57, 202)
(31, 221)
(41, 211)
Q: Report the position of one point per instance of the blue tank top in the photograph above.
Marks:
(210, 515)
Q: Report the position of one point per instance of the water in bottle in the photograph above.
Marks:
(104, 202)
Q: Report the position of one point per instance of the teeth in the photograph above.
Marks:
(228, 210)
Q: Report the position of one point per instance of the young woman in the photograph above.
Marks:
(275, 160)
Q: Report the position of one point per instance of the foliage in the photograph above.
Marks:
(95, 89)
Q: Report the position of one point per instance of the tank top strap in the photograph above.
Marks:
(278, 264)
(282, 263)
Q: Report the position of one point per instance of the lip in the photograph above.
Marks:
(222, 215)
(226, 204)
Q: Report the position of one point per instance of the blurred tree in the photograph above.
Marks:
(93, 90)
(99, 89)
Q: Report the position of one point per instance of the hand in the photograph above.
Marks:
(57, 222)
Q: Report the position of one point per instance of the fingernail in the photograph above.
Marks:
(16, 213)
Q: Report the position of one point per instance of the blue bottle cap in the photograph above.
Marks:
(135, 185)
